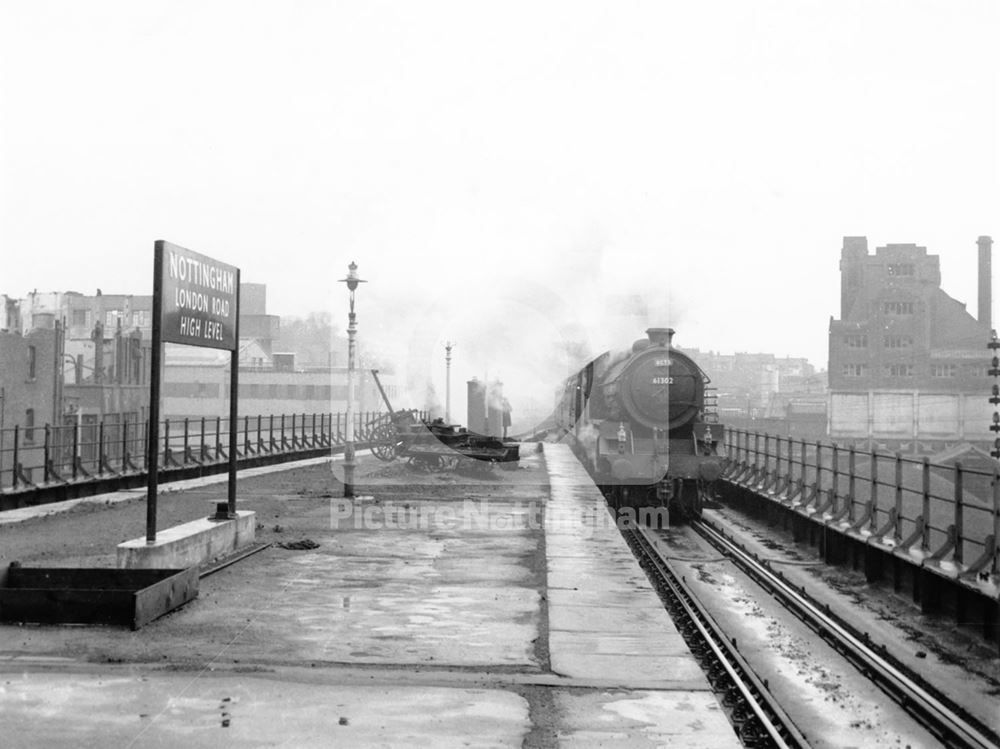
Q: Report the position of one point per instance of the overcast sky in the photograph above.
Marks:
(515, 177)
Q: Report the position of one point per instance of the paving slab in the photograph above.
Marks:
(209, 710)
(636, 718)
(607, 624)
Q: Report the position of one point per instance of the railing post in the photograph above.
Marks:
(15, 471)
(835, 491)
(125, 456)
(100, 448)
(260, 445)
(270, 429)
(76, 447)
(850, 482)
(873, 494)
(925, 541)
(767, 457)
(803, 453)
(819, 469)
(46, 456)
(897, 533)
(187, 446)
(167, 455)
(959, 513)
(246, 436)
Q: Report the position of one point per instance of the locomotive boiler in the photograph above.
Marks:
(638, 421)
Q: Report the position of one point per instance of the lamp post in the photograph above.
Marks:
(352, 282)
(447, 382)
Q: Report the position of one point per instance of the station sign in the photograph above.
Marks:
(199, 299)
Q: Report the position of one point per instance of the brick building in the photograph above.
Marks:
(29, 392)
(908, 363)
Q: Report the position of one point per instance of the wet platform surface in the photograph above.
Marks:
(504, 611)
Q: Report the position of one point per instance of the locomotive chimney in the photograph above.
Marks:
(660, 336)
(985, 281)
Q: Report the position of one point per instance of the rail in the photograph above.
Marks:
(948, 512)
(75, 454)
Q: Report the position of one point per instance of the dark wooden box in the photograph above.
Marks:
(53, 595)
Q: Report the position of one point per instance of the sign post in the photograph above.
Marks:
(196, 302)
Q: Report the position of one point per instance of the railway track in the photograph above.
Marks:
(758, 718)
(766, 724)
(951, 725)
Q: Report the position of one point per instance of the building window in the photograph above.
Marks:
(856, 341)
(29, 425)
(944, 370)
(80, 318)
(898, 341)
(901, 269)
(32, 362)
(898, 308)
(272, 391)
(140, 318)
(855, 370)
(976, 370)
(899, 370)
(111, 318)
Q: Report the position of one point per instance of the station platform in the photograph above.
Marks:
(437, 609)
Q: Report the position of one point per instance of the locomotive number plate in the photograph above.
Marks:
(662, 363)
(663, 380)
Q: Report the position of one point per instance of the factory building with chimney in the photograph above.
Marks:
(908, 363)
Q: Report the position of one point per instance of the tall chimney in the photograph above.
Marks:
(985, 281)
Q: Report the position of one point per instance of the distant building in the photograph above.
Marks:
(196, 384)
(29, 393)
(255, 323)
(750, 388)
(908, 363)
(91, 358)
(476, 406)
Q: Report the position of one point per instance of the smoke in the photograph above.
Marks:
(527, 325)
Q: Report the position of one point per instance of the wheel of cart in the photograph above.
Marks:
(385, 442)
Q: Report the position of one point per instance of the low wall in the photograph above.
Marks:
(189, 544)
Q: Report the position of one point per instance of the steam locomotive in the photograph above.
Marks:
(638, 421)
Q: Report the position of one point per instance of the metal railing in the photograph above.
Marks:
(52, 455)
(949, 513)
